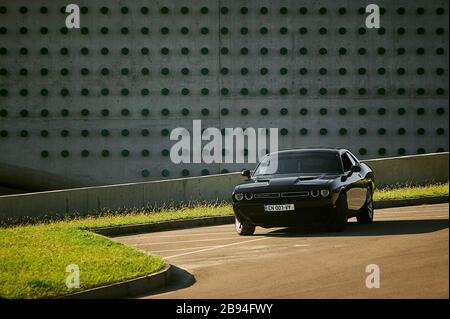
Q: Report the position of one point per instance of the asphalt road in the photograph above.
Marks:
(410, 245)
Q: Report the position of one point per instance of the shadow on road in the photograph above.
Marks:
(179, 279)
(377, 228)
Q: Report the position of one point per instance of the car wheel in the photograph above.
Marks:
(365, 214)
(244, 230)
(339, 220)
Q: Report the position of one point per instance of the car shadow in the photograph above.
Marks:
(377, 228)
(179, 279)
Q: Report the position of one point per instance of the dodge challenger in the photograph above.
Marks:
(322, 186)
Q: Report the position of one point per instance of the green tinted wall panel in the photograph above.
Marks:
(135, 71)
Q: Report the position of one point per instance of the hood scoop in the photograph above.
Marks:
(287, 180)
(307, 178)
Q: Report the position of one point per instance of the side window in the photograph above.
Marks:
(347, 162)
(352, 157)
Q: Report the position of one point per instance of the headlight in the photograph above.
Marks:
(315, 193)
(238, 196)
(324, 192)
(248, 196)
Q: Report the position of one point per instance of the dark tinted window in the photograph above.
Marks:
(301, 163)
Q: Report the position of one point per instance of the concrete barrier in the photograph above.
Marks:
(419, 169)
(90, 199)
(415, 169)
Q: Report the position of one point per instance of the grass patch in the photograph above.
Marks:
(33, 260)
(33, 257)
(411, 192)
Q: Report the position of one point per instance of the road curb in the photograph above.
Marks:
(128, 288)
(222, 220)
(161, 226)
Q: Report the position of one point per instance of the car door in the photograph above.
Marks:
(356, 189)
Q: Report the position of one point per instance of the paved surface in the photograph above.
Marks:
(410, 245)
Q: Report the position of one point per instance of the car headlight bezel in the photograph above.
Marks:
(238, 196)
(248, 196)
(315, 193)
(325, 192)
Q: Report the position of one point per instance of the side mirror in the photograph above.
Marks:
(246, 173)
(355, 169)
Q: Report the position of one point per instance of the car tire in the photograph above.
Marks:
(244, 230)
(339, 220)
(365, 214)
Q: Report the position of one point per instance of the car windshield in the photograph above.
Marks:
(304, 163)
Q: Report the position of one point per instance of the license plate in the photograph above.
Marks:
(279, 208)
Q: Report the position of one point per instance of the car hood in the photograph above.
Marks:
(273, 183)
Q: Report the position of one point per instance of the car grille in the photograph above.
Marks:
(295, 194)
(267, 195)
(283, 194)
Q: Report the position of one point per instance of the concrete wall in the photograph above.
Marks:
(89, 199)
(29, 180)
(404, 110)
(416, 170)
(401, 170)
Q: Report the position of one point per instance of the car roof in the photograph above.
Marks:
(311, 150)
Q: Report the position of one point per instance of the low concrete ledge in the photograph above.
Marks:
(129, 288)
(213, 188)
(162, 226)
(411, 201)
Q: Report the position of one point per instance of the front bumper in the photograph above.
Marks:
(310, 212)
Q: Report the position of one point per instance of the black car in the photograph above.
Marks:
(305, 186)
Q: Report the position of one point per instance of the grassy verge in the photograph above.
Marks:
(141, 216)
(33, 258)
(411, 192)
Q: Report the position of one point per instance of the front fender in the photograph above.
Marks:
(336, 193)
